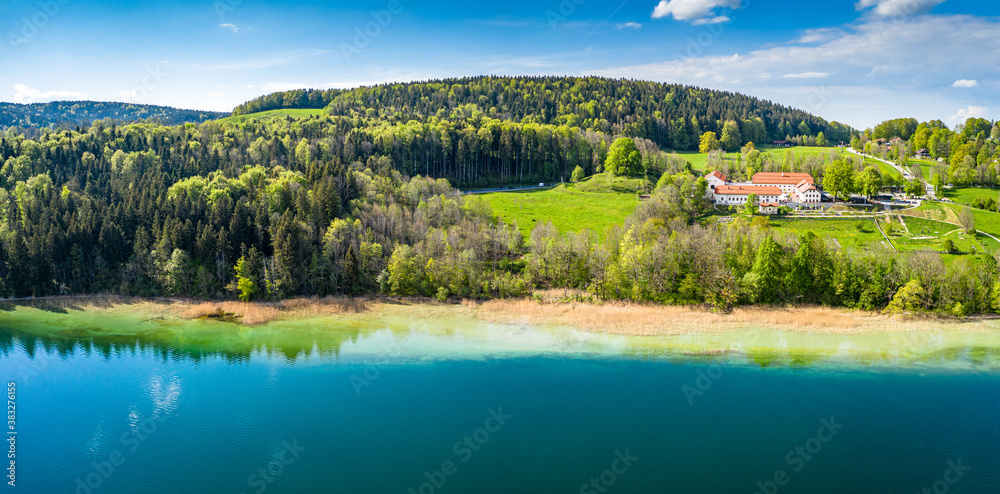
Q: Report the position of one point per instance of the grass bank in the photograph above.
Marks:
(596, 203)
(547, 309)
(361, 330)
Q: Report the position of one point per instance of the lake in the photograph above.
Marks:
(458, 406)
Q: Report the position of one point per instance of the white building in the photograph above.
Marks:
(776, 188)
(807, 192)
(787, 182)
(716, 179)
(737, 195)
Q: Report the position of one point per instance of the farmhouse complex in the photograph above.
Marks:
(773, 188)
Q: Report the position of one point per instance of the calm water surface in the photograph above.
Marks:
(131, 418)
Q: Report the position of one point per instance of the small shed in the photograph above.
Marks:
(768, 208)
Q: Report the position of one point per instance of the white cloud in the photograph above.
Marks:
(25, 94)
(128, 95)
(711, 20)
(629, 25)
(966, 113)
(234, 27)
(275, 60)
(881, 71)
(694, 10)
(504, 21)
(807, 75)
(966, 83)
(820, 35)
(534, 63)
(274, 87)
(898, 8)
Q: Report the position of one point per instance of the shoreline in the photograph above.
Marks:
(388, 330)
(613, 318)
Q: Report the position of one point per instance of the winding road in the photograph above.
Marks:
(906, 173)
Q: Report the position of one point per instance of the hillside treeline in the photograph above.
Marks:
(966, 155)
(295, 99)
(266, 209)
(672, 116)
(72, 114)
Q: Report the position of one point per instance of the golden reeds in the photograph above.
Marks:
(649, 320)
(251, 314)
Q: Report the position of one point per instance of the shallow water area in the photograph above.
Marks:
(135, 398)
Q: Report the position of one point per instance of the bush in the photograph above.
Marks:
(624, 158)
(948, 246)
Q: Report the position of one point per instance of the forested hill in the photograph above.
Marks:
(270, 208)
(672, 116)
(70, 114)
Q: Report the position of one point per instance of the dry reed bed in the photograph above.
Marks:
(252, 314)
(611, 317)
(656, 320)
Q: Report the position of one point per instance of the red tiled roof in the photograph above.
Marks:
(744, 190)
(717, 174)
(772, 178)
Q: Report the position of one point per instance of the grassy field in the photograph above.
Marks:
(603, 183)
(918, 234)
(968, 194)
(986, 221)
(927, 234)
(885, 169)
(699, 161)
(798, 151)
(926, 166)
(592, 204)
(294, 113)
(845, 231)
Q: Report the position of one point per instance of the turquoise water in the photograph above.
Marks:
(140, 418)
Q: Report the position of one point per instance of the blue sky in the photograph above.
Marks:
(856, 62)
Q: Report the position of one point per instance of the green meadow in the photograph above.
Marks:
(596, 203)
(966, 195)
(926, 167)
(986, 221)
(699, 161)
(918, 234)
(844, 231)
(284, 113)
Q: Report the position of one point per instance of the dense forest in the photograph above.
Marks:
(71, 114)
(967, 155)
(275, 208)
(672, 116)
(361, 202)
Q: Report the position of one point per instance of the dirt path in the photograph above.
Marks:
(879, 226)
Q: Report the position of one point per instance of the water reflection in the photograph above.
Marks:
(60, 332)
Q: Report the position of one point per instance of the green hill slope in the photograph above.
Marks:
(672, 116)
(70, 114)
